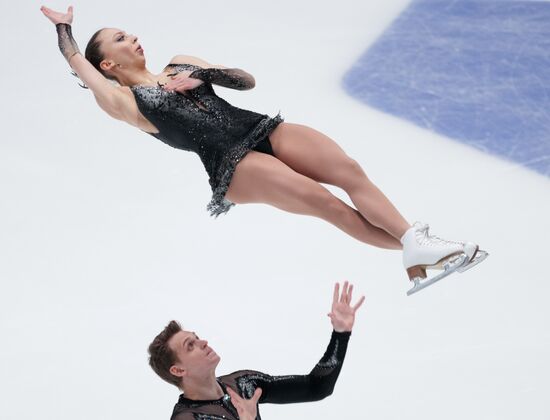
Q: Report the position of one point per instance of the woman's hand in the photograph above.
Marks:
(247, 409)
(342, 314)
(58, 17)
(182, 82)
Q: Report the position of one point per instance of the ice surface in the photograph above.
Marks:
(476, 71)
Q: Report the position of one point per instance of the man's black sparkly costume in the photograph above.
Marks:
(318, 384)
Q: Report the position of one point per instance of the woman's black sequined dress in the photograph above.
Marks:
(202, 122)
(318, 384)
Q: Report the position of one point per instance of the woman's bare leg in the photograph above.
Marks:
(261, 178)
(316, 156)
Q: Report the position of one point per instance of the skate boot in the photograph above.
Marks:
(422, 251)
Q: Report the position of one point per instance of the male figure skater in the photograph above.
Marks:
(183, 359)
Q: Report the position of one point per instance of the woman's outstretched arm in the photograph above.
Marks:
(219, 75)
(230, 78)
(109, 97)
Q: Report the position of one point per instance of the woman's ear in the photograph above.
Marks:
(106, 65)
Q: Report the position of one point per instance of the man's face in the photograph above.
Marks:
(194, 357)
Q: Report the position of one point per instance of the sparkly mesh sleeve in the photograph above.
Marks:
(318, 384)
(229, 78)
(67, 44)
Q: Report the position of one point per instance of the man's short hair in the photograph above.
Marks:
(162, 357)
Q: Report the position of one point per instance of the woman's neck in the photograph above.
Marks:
(132, 77)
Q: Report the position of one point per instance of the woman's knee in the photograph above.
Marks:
(353, 168)
(351, 175)
(322, 202)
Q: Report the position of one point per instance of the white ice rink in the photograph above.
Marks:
(105, 236)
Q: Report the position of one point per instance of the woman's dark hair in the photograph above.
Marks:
(95, 56)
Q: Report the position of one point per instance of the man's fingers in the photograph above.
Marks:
(232, 393)
(358, 304)
(236, 400)
(257, 395)
(350, 293)
(344, 292)
(336, 293)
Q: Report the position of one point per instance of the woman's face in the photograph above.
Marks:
(120, 49)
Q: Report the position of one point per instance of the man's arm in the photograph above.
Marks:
(320, 382)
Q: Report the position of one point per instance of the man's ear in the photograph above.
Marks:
(176, 371)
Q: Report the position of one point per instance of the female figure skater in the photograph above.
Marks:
(186, 361)
(249, 157)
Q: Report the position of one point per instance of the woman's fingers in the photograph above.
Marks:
(49, 11)
(176, 85)
(58, 17)
(181, 89)
(181, 82)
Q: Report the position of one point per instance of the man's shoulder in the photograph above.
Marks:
(185, 411)
(239, 374)
(244, 382)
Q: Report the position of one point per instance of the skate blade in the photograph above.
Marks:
(449, 268)
(420, 270)
(440, 265)
(479, 257)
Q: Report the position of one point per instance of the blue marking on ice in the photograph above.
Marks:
(476, 71)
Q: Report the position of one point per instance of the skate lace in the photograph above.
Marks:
(424, 238)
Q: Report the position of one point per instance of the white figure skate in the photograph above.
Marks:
(479, 256)
(422, 251)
